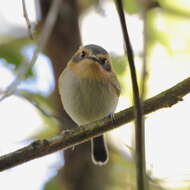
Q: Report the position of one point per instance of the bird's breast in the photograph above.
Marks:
(86, 100)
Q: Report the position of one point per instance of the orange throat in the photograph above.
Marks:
(88, 70)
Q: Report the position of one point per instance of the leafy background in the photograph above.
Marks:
(31, 113)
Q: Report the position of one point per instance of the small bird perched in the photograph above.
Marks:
(90, 91)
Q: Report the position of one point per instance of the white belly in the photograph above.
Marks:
(86, 100)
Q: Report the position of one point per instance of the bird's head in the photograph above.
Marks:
(91, 61)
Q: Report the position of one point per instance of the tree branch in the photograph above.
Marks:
(84, 133)
(139, 121)
(25, 14)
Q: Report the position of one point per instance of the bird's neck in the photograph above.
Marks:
(88, 71)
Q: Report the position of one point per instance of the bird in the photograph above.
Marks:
(89, 91)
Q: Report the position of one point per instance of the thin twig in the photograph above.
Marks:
(81, 134)
(144, 78)
(139, 136)
(25, 14)
(46, 32)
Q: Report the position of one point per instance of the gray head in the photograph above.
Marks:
(95, 53)
(96, 49)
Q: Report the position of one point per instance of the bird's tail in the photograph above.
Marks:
(99, 151)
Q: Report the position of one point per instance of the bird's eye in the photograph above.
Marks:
(103, 60)
(83, 54)
(105, 64)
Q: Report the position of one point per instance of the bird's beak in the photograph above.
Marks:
(94, 58)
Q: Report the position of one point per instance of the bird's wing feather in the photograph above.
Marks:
(115, 84)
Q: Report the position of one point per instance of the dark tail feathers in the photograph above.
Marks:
(99, 151)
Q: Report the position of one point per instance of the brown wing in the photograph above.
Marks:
(115, 83)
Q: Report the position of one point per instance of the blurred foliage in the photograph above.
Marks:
(119, 64)
(11, 52)
(85, 4)
(178, 7)
(122, 174)
(132, 6)
(50, 129)
(50, 122)
(54, 184)
(167, 25)
(164, 27)
(11, 55)
(155, 35)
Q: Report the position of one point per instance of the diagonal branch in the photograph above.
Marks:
(84, 133)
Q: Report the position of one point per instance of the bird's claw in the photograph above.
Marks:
(66, 132)
(112, 117)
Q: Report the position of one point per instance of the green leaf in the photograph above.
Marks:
(54, 184)
(12, 56)
(131, 6)
(11, 52)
